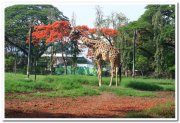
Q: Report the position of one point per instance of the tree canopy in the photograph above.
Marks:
(19, 19)
(155, 40)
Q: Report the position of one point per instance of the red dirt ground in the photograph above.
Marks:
(105, 105)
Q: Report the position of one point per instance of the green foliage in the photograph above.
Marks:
(155, 43)
(9, 62)
(141, 62)
(19, 18)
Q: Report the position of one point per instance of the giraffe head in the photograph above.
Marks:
(75, 34)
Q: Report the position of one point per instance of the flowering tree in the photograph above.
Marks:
(48, 34)
(57, 31)
(109, 34)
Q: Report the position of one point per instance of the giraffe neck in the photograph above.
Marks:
(88, 42)
(94, 44)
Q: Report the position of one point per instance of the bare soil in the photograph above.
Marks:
(106, 105)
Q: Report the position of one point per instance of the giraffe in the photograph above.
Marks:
(109, 54)
(103, 52)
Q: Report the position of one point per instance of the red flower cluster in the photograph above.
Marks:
(109, 32)
(83, 29)
(93, 31)
(60, 30)
(51, 32)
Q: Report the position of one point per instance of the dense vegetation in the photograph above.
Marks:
(155, 41)
(18, 21)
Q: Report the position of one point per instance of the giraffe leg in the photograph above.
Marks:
(117, 76)
(100, 82)
(112, 74)
(99, 77)
(99, 72)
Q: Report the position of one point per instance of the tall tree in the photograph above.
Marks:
(155, 40)
(104, 23)
(74, 47)
(162, 21)
(99, 17)
(19, 18)
(55, 32)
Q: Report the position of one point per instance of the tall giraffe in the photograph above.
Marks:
(103, 52)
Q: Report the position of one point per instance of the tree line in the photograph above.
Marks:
(155, 42)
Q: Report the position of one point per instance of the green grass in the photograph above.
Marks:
(122, 91)
(149, 84)
(144, 86)
(68, 93)
(73, 85)
(21, 97)
(166, 110)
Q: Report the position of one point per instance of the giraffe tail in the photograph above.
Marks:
(119, 71)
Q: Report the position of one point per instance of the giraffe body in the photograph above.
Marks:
(104, 52)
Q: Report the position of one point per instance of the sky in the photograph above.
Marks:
(86, 14)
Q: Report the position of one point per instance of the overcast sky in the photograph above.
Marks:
(86, 14)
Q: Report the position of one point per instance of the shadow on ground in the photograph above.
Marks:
(144, 86)
(9, 113)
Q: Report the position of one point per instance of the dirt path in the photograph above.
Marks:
(105, 105)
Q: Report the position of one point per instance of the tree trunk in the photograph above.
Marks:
(142, 73)
(134, 52)
(71, 58)
(51, 62)
(15, 63)
(29, 52)
(35, 66)
(65, 65)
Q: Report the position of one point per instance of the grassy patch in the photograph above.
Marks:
(144, 86)
(168, 87)
(21, 97)
(121, 91)
(149, 84)
(138, 115)
(166, 110)
(23, 86)
(66, 85)
(69, 93)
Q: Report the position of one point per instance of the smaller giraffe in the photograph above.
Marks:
(103, 52)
